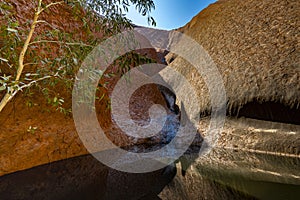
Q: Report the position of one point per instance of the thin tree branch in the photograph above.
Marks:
(26, 44)
(7, 97)
(43, 21)
(49, 5)
(61, 42)
(30, 84)
(30, 64)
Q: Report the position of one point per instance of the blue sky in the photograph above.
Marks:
(170, 14)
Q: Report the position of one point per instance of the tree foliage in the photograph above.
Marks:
(115, 10)
(27, 58)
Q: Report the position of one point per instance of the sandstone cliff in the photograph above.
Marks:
(256, 48)
(255, 45)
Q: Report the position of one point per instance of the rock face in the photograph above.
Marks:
(55, 136)
(256, 47)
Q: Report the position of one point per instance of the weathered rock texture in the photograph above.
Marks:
(258, 136)
(256, 47)
(55, 136)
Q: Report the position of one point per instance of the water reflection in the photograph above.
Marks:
(83, 177)
(222, 174)
(228, 174)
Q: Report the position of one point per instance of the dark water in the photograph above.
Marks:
(227, 174)
(83, 177)
(259, 175)
(223, 174)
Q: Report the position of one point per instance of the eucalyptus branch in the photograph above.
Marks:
(30, 84)
(61, 42)
(49, 5)
(30, 64)
(26, 44)
(44, 21)
(8, 96)
(115, 15)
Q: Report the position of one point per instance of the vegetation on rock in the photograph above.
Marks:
(46, 54)
(32, 132)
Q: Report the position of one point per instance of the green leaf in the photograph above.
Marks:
(15, 24)
(4, 60)
(75, 61)
(12, 30)
(3, 87)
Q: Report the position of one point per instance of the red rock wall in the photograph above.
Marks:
(55, 137)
